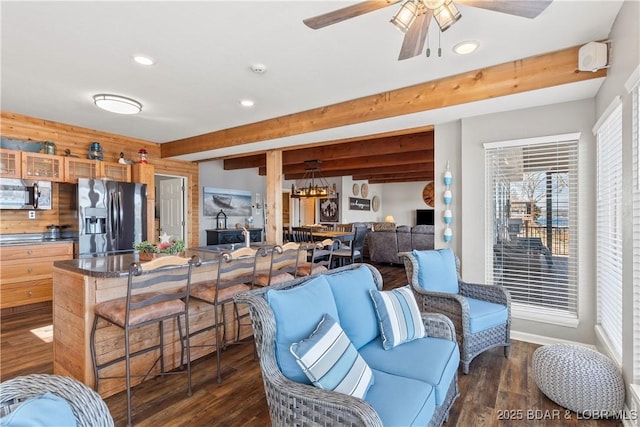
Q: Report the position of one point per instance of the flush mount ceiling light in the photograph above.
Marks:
(465, 48)
(143, 60)
(117, 104)
(414, 16)
(247, 103)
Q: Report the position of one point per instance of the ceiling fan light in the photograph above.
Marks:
(117, 104)
(405, 16)
(447, 15)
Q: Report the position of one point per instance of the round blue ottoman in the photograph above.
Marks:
(578, 378)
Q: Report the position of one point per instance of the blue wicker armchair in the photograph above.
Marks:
(480, 313)
(87, 406)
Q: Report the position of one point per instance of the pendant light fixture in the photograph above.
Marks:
(312, 184)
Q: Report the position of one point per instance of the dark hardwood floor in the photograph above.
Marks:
(497, 392)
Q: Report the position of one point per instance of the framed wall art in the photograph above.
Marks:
(231, 202)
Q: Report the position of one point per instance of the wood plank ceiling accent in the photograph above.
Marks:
(395, 158)
(536, 72)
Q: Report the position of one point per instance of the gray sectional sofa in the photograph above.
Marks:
(386, 240)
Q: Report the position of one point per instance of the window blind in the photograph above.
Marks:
(532, 202)
(609, 226)
(636, 233)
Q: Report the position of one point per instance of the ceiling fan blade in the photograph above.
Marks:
(345, 13)
(524, 8)
(413, 42)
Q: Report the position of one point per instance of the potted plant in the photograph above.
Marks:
(149, 251)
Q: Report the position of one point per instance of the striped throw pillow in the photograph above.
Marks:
(331, 362)
(399, 316)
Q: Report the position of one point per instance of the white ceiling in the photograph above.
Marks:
(57, 55)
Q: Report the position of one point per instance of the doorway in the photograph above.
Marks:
(170, 206)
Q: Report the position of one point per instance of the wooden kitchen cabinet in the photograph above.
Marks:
(10, 164)
(144, 173)
(115, 171)
(95, 169)
(80, 168)
(43, 167)
(27, 272)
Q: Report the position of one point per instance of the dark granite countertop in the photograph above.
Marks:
(118, 265)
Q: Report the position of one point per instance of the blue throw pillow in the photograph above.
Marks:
(47, 409)
(399, 316)
(297, 312)
(331, 362)
(437, 270)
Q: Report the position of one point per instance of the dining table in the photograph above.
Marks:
(342, 236)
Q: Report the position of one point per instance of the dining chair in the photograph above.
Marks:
(301, 234)
(282, 266)
(354, 250)
(343, 227)
(235, 274)
(157, 291)
(319, 260)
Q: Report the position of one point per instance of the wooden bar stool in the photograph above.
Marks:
(319, 261)
(282, 267)
(236, 271)
(157, 291)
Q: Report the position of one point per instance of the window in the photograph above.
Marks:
(531, 225)
(608, 132)
(635, 90)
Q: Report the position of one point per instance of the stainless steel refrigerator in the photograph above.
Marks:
(111, 216)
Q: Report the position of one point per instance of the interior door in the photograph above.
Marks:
(172, 208)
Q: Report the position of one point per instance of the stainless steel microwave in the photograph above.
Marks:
(24, 194)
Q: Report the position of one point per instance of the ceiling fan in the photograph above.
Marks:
(414, 16)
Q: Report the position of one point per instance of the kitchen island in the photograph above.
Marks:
(80, 284)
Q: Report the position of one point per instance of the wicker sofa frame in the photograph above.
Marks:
(456, 308)
(87, 405)
(295, 404)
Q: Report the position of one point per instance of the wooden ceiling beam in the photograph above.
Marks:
(355, 149)
(536, 72)
(425, 156)
(371, 172)
(399, 180)
(424, 174)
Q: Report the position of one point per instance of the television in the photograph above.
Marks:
(424, 216)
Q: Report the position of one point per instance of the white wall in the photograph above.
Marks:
(577, 116)
(625, 58)
(447, 149)
(212, 174)
(401, 200)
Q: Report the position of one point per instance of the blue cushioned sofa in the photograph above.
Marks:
(414, 383)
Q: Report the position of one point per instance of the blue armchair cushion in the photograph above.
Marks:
(47, 409)
(484, 315)
(437, 270)
(390, 392)
(399, 316)
(428, 359)
(357, 315)
(297, 312)
(331, 362)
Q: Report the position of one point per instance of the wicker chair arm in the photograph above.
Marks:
(87, 405)
(439, 326)
(490, 293)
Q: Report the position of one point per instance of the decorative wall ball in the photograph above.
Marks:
(448, 197)
(448, 216)
(448, 234)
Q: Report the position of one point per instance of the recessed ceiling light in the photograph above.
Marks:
(465, 48)
(143, 60)
(117, 104)
(247, 103)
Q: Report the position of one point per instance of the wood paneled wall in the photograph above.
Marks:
(77, 139)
